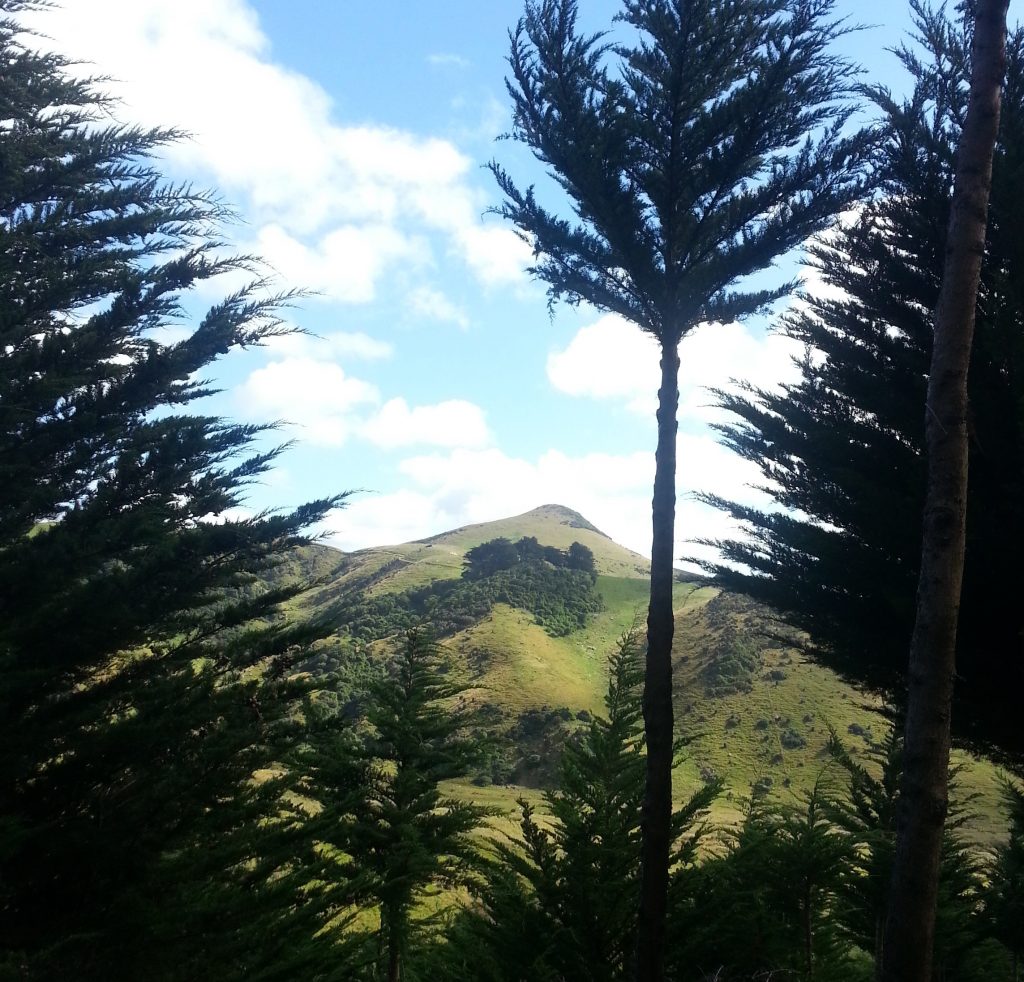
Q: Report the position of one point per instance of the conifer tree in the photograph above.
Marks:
(1004, 892)
(768, 903)
(387, 835)
(560, 901)
(867, 813)
(137, 698)
(850, 433)
(691, 158)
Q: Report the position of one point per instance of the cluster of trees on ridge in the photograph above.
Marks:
(501, 553)
(177, 801)
(556, 586)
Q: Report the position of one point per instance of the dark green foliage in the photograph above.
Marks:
(801, 891)
(136, 694)
(768, 903)
(733, 664)
(559, 595)
(560, 900)
(385, 836)
(683, 182)
(867, 813)
(842, 447)
(499, 554)
(534, 745)
(581, 558)
(489, 557)
(1004, 891)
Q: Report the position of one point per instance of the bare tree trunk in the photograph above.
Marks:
(808, 936)
(394, 958)
(657, 702)
(910, 925)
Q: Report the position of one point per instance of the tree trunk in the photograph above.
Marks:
(657, 702)
(910, 925)
(808, 936)
(394, 958)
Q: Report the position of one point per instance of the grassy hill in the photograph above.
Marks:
(756, 714)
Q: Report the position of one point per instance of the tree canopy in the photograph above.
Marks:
(689, 158)
(135, 689)
(841, 449)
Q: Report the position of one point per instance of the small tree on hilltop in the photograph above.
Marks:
(691, 158)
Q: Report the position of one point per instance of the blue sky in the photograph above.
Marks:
(351, 138)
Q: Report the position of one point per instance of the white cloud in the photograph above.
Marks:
(431, 304)
(345, 265)
(328, 407)
(613, 359)
(497, 255)
(454, 423)
(335, 205)
(609, 359)
(447, 60)
(315, 396)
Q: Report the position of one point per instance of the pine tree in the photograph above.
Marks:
(867, 814)
(767, 904)
(691, 159)
(560, 901)
(387, 835)
(137, 696)
(1004, 892)
(849, 434)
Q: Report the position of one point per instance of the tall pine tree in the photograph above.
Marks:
(136, 696)
(842, 448)
(690, 158)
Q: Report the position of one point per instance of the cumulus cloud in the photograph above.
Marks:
(454, 423)
(344, 265)
(335, 205)
(315, 396)
(613, 359)
(327, 407)
(430, 304)
(609, 359)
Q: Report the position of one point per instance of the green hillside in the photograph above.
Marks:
(757, 714)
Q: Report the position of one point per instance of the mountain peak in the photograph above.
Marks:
(564, 516)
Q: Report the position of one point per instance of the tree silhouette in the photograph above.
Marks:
(136, 696)
(924, 795)
(690, 158)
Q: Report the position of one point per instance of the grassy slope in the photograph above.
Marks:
(739, 737)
